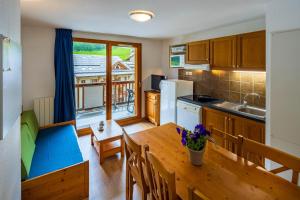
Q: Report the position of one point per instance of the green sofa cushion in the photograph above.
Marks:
(29, 118)
(27, 150)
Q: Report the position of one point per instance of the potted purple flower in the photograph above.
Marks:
(195, 142)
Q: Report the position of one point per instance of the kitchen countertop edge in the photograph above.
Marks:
(213, 106)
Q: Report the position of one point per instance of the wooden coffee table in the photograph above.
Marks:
(109, 141)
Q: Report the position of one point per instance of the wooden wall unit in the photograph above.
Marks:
(223, 53)
(235, 125)
(197, 52)
(251, 51)
(152, 106)
(237, 52)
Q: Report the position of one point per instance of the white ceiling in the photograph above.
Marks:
(172, 17)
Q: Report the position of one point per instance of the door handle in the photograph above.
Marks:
(7, 69)
(6, 39)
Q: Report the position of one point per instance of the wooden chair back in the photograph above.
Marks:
(194, 194)
(225, 140)
(135, 162)
(288, 162)
(161, 181)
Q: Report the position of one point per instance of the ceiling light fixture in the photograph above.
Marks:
(141, 15)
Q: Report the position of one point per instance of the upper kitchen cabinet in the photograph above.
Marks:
(223, 53)
(197, 52)
(251, 51)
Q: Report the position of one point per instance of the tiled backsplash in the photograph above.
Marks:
(230, 86)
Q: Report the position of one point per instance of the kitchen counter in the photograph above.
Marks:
(221, 105)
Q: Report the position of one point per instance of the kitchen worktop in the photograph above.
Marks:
(219, 104)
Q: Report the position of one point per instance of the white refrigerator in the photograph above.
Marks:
(169, 91)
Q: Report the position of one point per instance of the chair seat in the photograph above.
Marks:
(56, 148)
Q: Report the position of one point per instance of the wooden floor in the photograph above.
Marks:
(108, 180)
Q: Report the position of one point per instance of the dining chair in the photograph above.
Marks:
(134, 167)
(225, 140)
(288, 161)
(161, 181)
(194, 194)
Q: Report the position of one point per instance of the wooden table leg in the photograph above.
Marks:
(92, 138)
(101, 152)
(122, 147)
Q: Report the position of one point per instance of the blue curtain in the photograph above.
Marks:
(64, 102)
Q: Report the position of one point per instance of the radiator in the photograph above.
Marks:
(44, 109)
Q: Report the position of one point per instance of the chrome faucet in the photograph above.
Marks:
(250, 94)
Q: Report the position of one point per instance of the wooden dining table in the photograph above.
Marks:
(223, 175)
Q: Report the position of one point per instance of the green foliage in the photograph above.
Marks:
(197, 145)
(84, 48)
(122, 52)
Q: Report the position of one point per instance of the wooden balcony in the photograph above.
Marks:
(91, 101)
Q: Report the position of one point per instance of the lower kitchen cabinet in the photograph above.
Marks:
(152, 107)
(254, 130)
(215, 118)
(235, 125)
(248, 128)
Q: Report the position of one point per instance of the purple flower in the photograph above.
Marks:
(200, 129)
(184, 133)
(198, 126)
(195, 136)
(178, 130)
(191, 139)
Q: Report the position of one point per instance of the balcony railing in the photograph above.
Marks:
(93, 95)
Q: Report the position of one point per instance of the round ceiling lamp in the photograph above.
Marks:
(141, 15)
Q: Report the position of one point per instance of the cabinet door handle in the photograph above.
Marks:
(229, 125)
(225, 124)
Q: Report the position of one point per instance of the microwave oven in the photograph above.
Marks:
(177, 56)
(177, 60)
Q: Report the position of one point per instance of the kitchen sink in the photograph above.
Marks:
(252, 111)
(243, 109)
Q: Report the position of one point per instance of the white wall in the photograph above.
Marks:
(10, 168)
(38, 45)
(283, 92)
(38, 60)
(243, 27)
(38, 64)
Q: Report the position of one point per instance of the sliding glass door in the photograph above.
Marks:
(107, 80)
(90, 82)
(123, 62)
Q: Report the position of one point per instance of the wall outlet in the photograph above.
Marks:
(188, 73)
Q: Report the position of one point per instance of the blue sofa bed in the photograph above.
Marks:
(51, 161)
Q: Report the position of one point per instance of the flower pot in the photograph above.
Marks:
(196, 157)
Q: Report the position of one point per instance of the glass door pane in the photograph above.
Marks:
(123, 78)
(90, 82)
